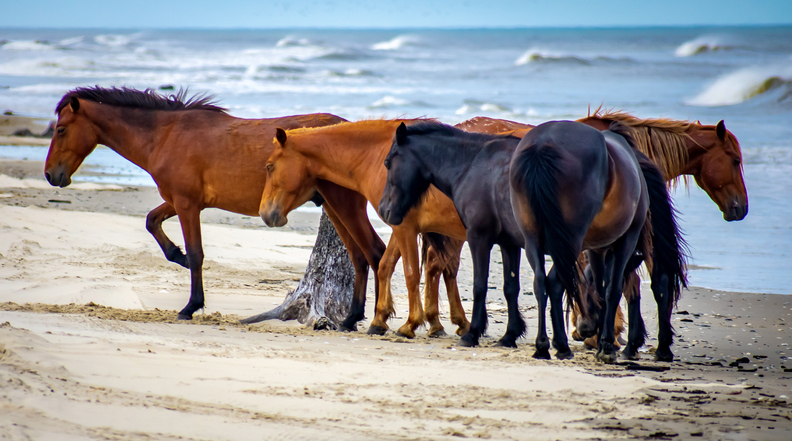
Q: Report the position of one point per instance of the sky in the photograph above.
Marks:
(279, 14)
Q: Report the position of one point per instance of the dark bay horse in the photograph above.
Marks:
(350, 155)
(199, 157)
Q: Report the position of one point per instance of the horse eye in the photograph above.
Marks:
(61, 129)
(270, 166)
(736, 162)
(387, 163)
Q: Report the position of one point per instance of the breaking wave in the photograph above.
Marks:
(396, 43)
(532, 56)
(703, 44)
(745, 84)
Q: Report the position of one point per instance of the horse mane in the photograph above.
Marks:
(365, 124)
(661, 139)
(147, 99)
(434, 127)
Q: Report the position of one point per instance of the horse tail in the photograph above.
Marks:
(536, 169)
(442, 246)
(669, 249)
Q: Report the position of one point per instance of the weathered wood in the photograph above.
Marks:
(325, 291)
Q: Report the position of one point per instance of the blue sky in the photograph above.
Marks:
(389, 14)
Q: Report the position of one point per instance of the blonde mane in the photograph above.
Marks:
(366, 124)
(661, 139)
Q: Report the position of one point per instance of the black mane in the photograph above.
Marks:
(438, 128)
(147, 99)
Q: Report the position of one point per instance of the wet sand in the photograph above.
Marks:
(90, 348)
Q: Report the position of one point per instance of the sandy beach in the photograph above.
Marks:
(90, 347)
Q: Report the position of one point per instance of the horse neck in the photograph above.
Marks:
(697, 145)
(353, 159)
(447, 160)
(124, 131)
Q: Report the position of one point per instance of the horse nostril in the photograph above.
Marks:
(49, 178)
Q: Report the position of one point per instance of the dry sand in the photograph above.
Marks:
(90, 348)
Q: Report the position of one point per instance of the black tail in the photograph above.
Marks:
(536, 169)
(669, 249)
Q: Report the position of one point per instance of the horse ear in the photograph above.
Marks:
(720, 129)
(74, 103)
(401, 134)
(280, 135)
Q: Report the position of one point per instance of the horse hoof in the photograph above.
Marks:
(565, 355)
(344, 328)
(404, 334)
(506, 343)
(607, 358)
(437, 334)
(182, 316)
(468, 341)
(542, 354)
(630, 355)
(666, 356)
(376, 330)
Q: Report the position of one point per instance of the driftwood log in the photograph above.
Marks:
(324, 295)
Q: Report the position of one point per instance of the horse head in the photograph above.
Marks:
(407, 180)
(289, 183)
(75, 137)
(719, 170)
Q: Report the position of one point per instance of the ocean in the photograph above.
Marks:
(742, 75)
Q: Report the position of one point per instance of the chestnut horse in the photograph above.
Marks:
(199, 157)
(350, 155)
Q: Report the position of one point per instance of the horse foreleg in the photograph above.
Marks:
(480, 249)
(433, 267)
(456, 310)
(154, 221)
(190, 219)
(359, 261)
(384, 307)
(408, 244)
(515, 327)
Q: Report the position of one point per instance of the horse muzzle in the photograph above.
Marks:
(273, 218)
(57, 177)
(389, 216)
(736, 212)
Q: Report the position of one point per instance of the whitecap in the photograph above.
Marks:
(705, 43)
(396, 43)
(388, 101)
(113, 39)
(290, 40)
(29, 45)
(743, 85)
(71, 41)
(538, 56)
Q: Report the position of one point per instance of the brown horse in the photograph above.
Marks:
(200, 157)
(350, 155)
(711, 154)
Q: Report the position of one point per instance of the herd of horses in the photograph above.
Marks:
(592, 194)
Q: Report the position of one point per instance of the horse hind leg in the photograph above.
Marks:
(660, 282)
(555, 291)
(456, 310)
(636, 336)
(432, 268)
(154, 221)
(511, 290)
(536, 259)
